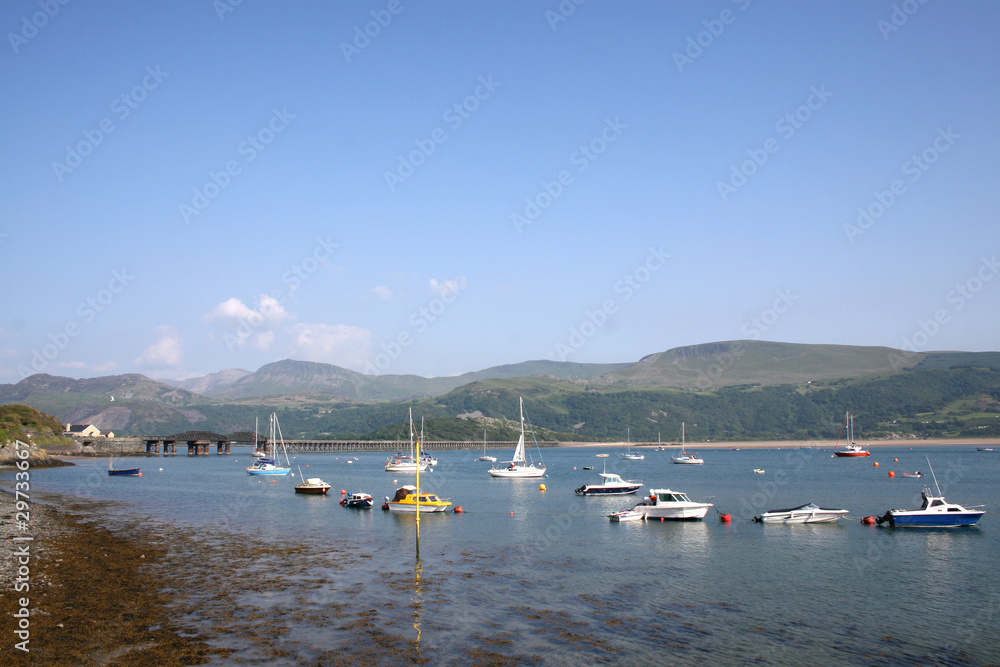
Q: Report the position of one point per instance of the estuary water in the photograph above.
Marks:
(526, 576)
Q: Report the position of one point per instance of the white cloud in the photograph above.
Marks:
(339, 344)
(382, 292)
(263, 340)
(167, 350)
(269, 312)
(448, 287)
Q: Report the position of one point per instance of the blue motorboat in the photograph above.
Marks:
(935, 512)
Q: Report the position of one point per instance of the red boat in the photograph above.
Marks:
(851, 449)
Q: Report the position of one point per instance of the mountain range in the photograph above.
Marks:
(326, 401)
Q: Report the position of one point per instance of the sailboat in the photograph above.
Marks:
(270, 466)
(628, 454)
(257, 452)
(485, 456)
(685, 457)
(852, 449)
(406, 462)
(518, 466)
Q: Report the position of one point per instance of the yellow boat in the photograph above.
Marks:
(405, 500)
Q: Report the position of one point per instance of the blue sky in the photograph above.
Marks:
(440, 187)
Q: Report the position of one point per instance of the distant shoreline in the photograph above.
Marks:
(797, 444)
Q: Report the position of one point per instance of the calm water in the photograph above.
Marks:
(546, 577)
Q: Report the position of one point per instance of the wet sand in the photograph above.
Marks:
(94, 596)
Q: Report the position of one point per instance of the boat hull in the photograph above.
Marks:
(412, 508)
(851, 454)
(521, 471)
(626, 515)
(802, 517)
(263, 471)
(693, 512)
(600, 490)
(936, 520)
(125, 472)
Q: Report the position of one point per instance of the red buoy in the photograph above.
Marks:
(512, 514)
(343, 492)
(892, 474)
(875, 464)
(868, 520)
(725, 518)
(458, 509)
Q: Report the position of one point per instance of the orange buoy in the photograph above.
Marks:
(343, 492)
(140, 474)
(458, 509)
(512, 514)
(875, 464)
(725, 518)
(661, 519)
(274, 481)
(868, 520)
(541, 487)
(892, 474)
(896, 460)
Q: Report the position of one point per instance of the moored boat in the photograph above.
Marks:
(917, 474)
(625, 515)
(359, 500)
(671, 505)
(612, 485)
(808, 513)
(122, 472)
(519, 466)
(312, 485)
(684, 456)
(407, 500)
(852, 449)
(270, 466)
(934, 512)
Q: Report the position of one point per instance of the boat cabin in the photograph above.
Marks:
(670, 497)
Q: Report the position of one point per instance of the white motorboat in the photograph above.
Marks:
(612, 485)
(625, 515)
(685, 457)
(808, 513)
(672, 506)
(519, 466)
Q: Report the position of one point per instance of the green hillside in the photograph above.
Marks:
(758, 362)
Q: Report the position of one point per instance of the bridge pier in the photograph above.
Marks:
(222, 448)
(152, 448)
